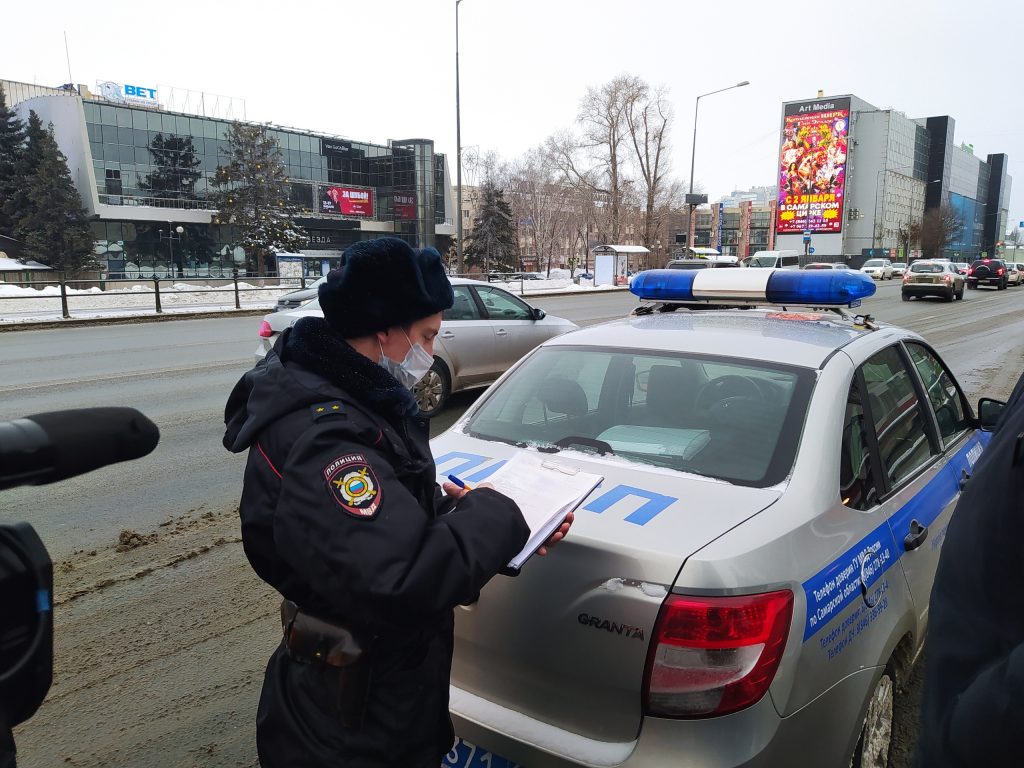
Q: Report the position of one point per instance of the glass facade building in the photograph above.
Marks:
(144, 172)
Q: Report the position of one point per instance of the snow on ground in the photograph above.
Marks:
(20, 305)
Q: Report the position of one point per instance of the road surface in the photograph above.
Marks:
(162, 630)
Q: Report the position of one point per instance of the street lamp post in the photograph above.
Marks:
(458, 146)
(170, 237)
(693, 154)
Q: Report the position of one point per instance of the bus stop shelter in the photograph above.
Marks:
(611, 263)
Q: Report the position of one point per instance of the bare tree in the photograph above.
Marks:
(602, 117)
(908, 234)
(541, 203)
(939, 228)
(648, 121)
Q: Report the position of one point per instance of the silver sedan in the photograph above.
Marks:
(750, 584)
(482, 335)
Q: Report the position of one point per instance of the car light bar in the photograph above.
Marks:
(754, 286)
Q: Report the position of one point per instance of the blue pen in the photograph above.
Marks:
(459, 483)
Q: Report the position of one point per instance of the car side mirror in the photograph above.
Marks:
(539, 314)
(989, 411)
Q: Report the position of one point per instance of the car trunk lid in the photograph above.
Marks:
(566, 641)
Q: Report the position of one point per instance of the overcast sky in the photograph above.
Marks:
(380, 69)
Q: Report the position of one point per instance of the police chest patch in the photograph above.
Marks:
(354, 486)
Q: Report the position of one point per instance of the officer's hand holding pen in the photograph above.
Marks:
(457, 488)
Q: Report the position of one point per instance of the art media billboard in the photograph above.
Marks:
(812, 166)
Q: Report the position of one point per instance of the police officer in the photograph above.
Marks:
(342, 515)
(973, 701)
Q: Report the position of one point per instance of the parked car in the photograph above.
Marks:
(1014, 275)
(933, 278)
(827, 265)
(991, 272)
(775, 260)
(299, 297)
(879, 269)
(749, 586)
(484, 333)
(898, 268)
(698, 264)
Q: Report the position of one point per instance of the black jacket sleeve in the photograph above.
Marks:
(987, 718)
(382, 561)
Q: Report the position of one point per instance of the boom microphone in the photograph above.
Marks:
(53, 446)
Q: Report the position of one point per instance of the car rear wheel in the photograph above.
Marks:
(906, 297)
(949, 296)
(874, 748)
(960, 294)
(433, 390)
(971, 286)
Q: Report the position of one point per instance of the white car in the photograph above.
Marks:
(899, 268)
(485, 332)
(879, 269)
(750, 583)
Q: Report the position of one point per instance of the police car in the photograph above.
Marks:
(750, 583)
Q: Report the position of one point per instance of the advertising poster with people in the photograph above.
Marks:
(348, 201)
(812, 166)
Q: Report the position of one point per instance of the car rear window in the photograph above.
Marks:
(735, 420)
(927, 268)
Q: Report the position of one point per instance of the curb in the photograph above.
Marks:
(43, 325)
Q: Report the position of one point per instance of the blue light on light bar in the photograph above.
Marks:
(819, 288)
(664, 284)
(787, 287)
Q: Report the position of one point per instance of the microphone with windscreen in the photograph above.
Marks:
(35, 450)
(54, 446)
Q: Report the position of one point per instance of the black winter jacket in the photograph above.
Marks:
(341, 514)
(973, 703)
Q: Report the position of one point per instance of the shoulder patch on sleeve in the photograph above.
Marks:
(354, 486)
(322, 410)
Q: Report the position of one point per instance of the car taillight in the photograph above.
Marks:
(266, 331)
(999, 271)
(715, 655)
(906, 277)
(970, 270)
(948, 278)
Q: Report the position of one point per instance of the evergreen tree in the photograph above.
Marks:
(252, 194)
(52, 223)
(493, 243)
(12, 141)
(176, 170)
(29, 156)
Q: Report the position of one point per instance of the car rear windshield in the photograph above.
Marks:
(928, 268)
(731, 419)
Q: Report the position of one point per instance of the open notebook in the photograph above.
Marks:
(546, 491)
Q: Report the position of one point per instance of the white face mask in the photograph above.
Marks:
(413, 368)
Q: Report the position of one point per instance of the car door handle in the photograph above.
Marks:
(914, 539)
(964, 477)
(501, 332)
(447, 335)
